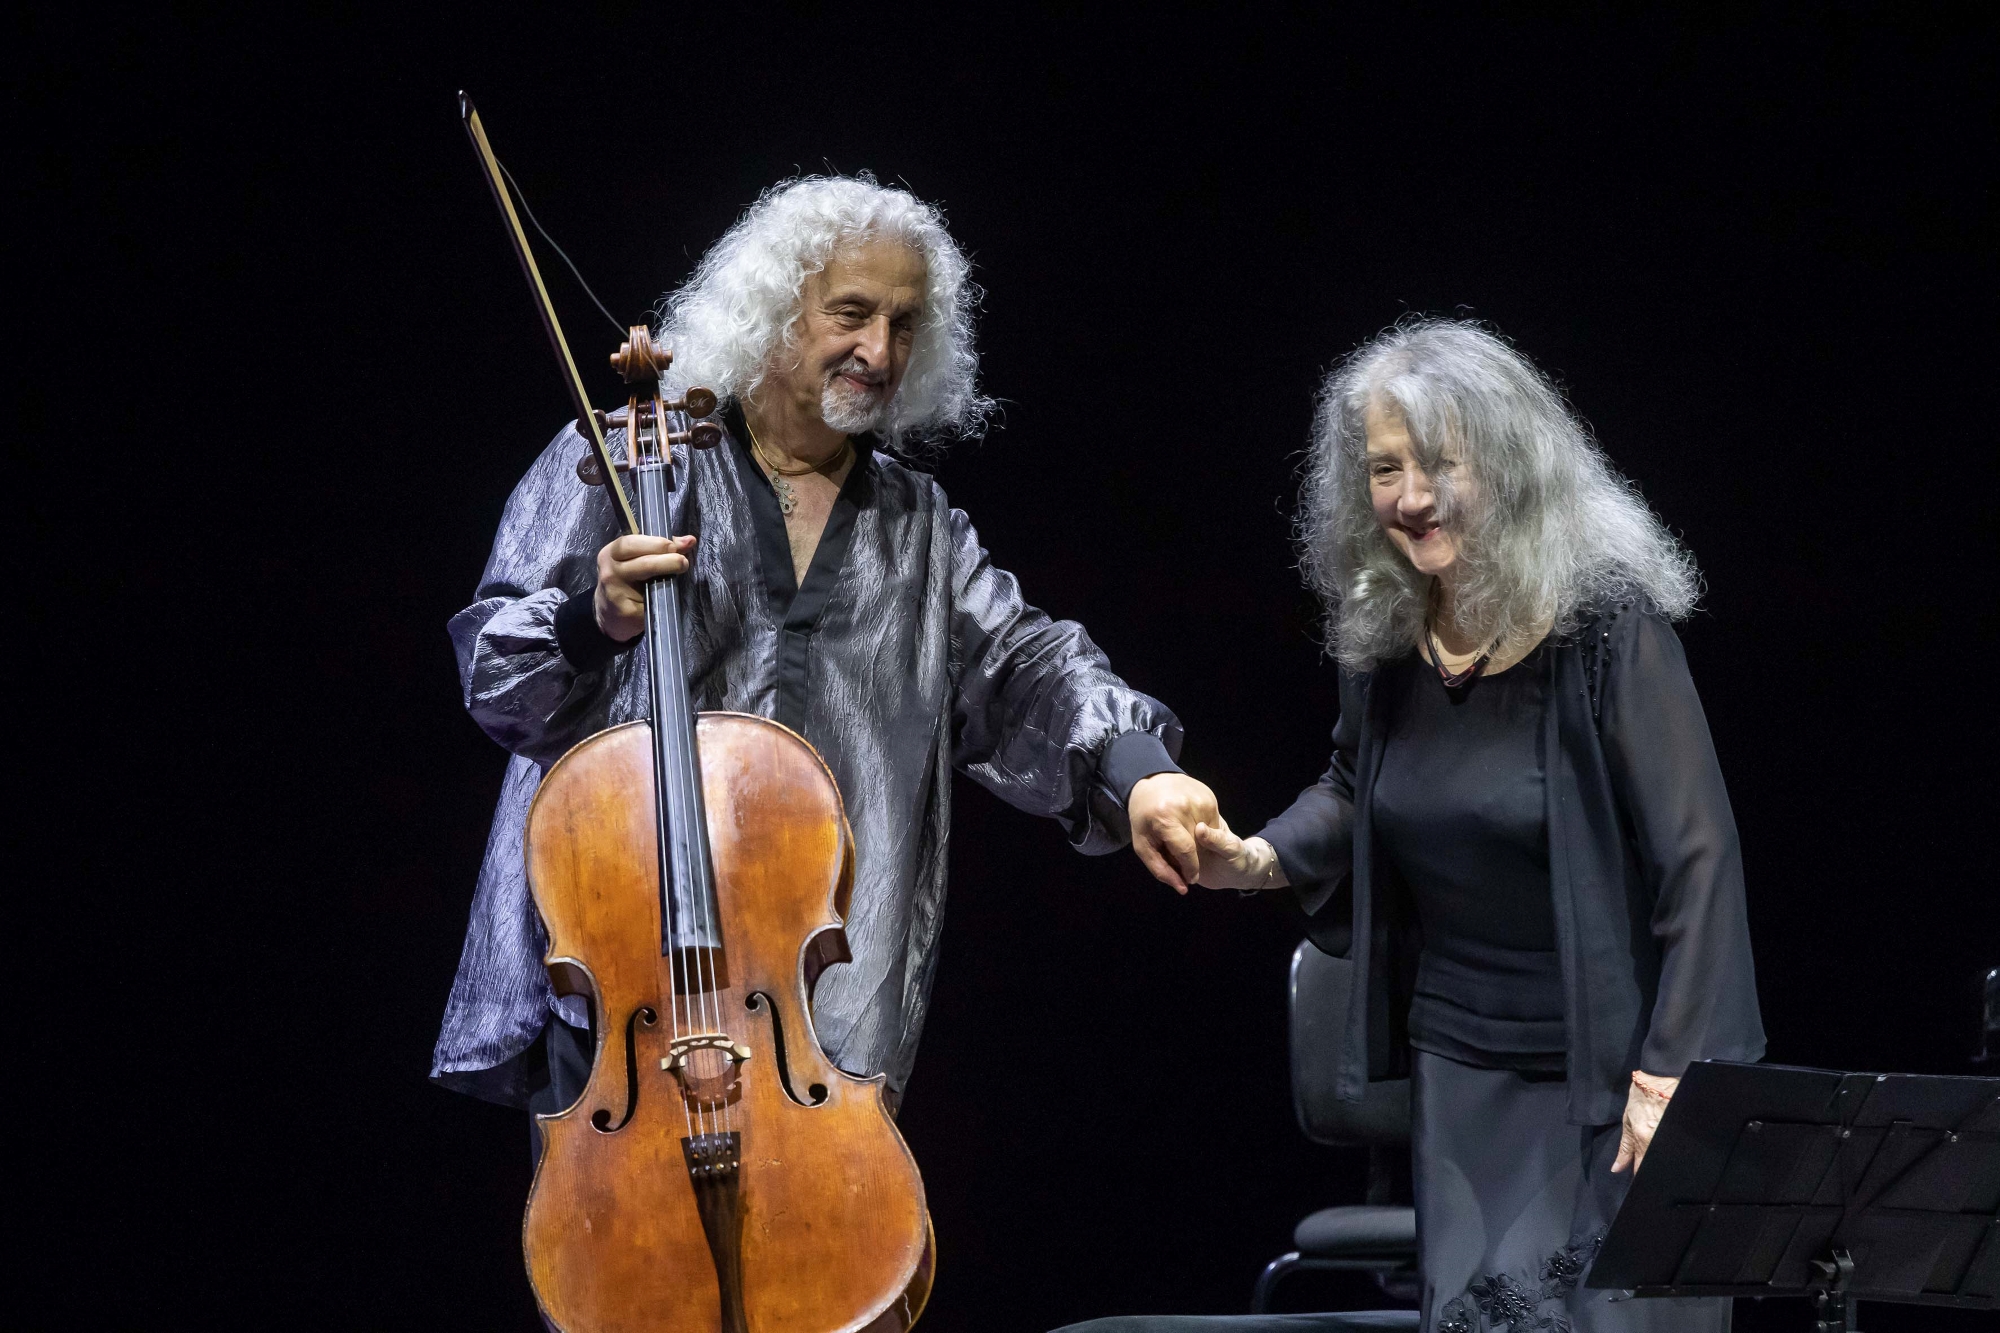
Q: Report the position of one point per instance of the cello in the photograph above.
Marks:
(718, 1173)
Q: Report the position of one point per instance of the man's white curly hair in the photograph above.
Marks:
(739, 312)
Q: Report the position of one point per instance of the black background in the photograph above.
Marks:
(281, 372)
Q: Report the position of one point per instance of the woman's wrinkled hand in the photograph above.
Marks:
(1230, 862)
(1645, 1102)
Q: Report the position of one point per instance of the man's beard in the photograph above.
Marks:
(850, 410)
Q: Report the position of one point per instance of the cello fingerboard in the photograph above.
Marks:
(688, 916)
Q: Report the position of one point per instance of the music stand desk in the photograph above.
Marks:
(1765, 1180)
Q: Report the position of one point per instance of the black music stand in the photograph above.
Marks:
(1765, 1180)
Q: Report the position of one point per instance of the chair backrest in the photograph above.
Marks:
(1320, 986)
(1989, 1028)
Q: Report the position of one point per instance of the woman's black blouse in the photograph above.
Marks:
(1461, 811)
(1645, 871)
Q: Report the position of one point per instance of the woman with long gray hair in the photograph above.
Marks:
(1523, 841)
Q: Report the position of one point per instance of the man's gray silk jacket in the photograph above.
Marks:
(904, 655)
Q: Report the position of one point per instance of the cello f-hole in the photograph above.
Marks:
(758, 1002)
(600, 1119)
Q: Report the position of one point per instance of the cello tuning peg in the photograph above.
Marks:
(701, 435)
(697, 403)
(589, 471)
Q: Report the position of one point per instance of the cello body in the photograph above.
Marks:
(819, 1223)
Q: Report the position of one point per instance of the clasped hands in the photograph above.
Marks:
(1183, 839)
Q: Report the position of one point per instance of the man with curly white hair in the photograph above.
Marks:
(828, 585)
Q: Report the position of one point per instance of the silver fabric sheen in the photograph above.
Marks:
(925, 659)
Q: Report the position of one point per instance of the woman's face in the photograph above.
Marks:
(1405, 504)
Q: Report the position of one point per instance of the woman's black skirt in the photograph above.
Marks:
(1512, 1204)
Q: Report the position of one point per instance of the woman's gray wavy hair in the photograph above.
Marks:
(740, 309)
(1547, 532)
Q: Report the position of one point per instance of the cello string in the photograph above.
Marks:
(690, 1115)
(672, 700)
(668, 669)
(651, 517)
(697, 872)
(702, 876)
(693, 839)
(700, 976)
(710, 898)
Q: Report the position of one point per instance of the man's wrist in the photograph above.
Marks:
(583, 641)
(1130, 759)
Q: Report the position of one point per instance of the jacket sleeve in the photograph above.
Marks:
(1669, 786)
(519, 684)
(1314, 837)
(1038, 716)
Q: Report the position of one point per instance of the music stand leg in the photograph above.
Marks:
(1833, 1304)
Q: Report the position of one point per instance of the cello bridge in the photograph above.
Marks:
(705, 1064)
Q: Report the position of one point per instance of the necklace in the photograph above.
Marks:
(788, 499)
(1456, 680)
(1453, 680)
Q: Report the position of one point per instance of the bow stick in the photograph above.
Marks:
(586, 418)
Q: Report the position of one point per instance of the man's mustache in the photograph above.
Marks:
(874, 379)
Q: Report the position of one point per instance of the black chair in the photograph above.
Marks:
(1989, 1026)
(1380, 1236)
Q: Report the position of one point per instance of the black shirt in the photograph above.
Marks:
(1461, 810)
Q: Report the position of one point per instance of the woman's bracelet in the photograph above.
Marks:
(1270, 859)
(1661, 1088)
(1270, 868)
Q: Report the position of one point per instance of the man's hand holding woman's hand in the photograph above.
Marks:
(1164, 811)
(1183, 839)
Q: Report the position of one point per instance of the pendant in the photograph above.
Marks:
(788, 499)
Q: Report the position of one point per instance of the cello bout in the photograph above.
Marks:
(808, 1213)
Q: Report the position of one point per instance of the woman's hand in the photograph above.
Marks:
(1645, 1102)
(1230, 862)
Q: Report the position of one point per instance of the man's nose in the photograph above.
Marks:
(873, 346)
